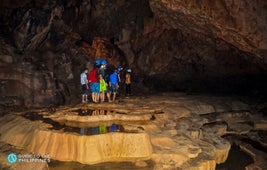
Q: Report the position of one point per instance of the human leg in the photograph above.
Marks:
(97, 97)
(114, 91)
(108, 96)
(93, 96)
(97, 89)
(83, 98)
(86, 98)
(130, 89)
(127, 89)
(114, 97)
(85, 93)
(102, 96)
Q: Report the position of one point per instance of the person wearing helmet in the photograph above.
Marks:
(113, 83)
(103, 71)
(128, 82)
(84, 83)
(94, 84)
(98, 62)
(104, 62)
(119, 68)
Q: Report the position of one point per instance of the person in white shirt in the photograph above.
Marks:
(84, 83)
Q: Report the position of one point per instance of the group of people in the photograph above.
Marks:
(101, 83)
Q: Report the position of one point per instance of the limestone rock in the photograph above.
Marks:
(6, 59)
(217, 128)
(258, 156)
(222, 17)
(110, 147)
(5, 149)
(171, 140)
(261, 125)
(32, 88)
(141, 163)
(222, 147)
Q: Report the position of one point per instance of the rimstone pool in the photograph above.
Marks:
(178, 131)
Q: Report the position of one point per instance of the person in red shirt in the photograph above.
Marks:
(94, 82)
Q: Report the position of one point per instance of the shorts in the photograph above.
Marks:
(94, 130)
(113, 128)
(95, 87)
(113, 88)
(85, 89)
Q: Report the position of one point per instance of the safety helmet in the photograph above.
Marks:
(98, 62)
(104, 62)
(120, 67)
(115, 71)
(129, 70)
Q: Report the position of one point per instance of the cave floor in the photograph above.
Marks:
(163, 131)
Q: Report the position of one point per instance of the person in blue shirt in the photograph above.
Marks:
(84, 83)
(113, 83)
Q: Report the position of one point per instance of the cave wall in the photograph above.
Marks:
(241, 23)
(197, 62)
(171, 45)
(205, 45)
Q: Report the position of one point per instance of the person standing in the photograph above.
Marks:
(84, 83)
(103, 88)
(120, 68)
(113, 83)
(93, 80)
(128, 82)
(120, 78)
(103, 71)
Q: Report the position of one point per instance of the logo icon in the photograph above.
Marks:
(12, 158)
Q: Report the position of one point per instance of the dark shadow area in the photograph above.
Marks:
(244, 138)
(250, 86)
(54, 165)
(237, 160)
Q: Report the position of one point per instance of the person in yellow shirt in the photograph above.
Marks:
(102, 87)
(128, 82)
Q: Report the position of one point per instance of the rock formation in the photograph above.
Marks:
(240, 23)
(71, 147)
(5, 149)
(175, 45)
(195, 46)
(186, 132)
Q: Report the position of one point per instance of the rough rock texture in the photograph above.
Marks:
(193, 45)
(101, 115)
(184, 132)
(204, 45)
(5, 149)
(23, 83)
(258, 156)
(84, 149)
(241, 23)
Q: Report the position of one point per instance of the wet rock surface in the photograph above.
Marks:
(187, 132)
(5, 149)
(175, 45)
